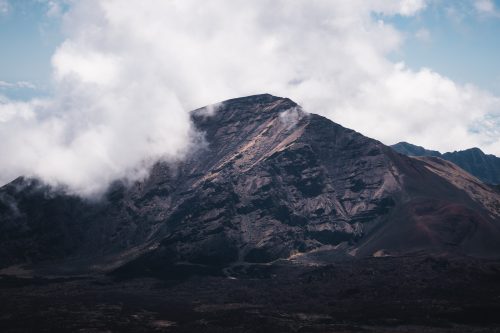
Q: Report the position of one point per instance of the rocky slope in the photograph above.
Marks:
(483, 166)
(270, 182)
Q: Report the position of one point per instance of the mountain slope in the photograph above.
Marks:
(270, 182)
(483, 166)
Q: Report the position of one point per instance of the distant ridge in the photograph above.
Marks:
(476, 162)
(408, 149)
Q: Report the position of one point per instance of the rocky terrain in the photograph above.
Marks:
(279, 200)
(483, 166)
(269, 181)
(384, 294)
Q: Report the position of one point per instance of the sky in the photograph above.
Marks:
(28, 39)
(458, 39)
(96, 90)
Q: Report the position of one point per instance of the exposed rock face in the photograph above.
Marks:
(271, 182)
(483, 166)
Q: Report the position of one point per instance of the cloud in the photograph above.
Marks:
(129, 72)
(423, 35)
(4, 7)
(411, 7)
(485, 6)
(17, 85)
(462, 11)
(55, 8)
(425, 108)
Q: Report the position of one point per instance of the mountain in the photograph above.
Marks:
(413, 150)
(270, 182)
(483, 166)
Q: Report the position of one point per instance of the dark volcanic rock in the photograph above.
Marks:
(271, 182)
(483, 166)
(415, 294)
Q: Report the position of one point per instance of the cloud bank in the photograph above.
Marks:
(129, 72)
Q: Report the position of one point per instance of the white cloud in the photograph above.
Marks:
(425, 108)
(423, 35)
(411, 7)
(4, 7)
(56, 8)
(4, 84)
(129, 72)
(486, 8)
(17, 85)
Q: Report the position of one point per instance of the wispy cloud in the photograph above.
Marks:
(423, 35)
(17, 85)
(486, 7)
(4, 7)
(461, 10)
(56, 8)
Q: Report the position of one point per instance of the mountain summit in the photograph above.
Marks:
(271, 182)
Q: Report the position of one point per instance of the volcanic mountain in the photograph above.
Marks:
(271, 182)
(473, 160)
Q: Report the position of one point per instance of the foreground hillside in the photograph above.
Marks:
(406, 294)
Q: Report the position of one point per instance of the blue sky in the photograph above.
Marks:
(28, 38)
(456, 40)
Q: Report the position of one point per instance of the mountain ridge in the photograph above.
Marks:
(271, 182)
(473, 160)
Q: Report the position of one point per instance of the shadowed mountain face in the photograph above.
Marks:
(485, 167)
(270, 182)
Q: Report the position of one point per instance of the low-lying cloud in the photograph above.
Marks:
(129, 72)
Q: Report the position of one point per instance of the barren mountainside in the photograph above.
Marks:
(271, 182)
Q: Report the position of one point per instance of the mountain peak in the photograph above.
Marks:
(257, 99)
(473, 150)
(245, 106)
(409, 149)
(270, 182)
